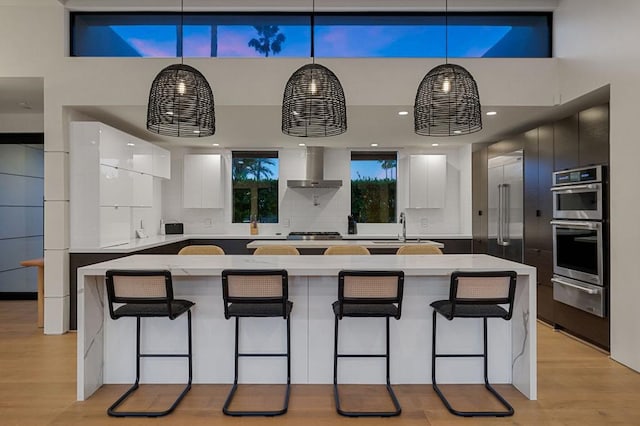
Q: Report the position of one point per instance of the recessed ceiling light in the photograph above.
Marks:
(435, 144)
(24, 105)
(131, 144)
(457, 132)
(374, 144)
(215, 144)
(403, 112)
(491, 113)
(301, 144)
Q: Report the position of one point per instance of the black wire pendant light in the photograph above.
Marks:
(313, 104)
(181, 100)
(447, 102)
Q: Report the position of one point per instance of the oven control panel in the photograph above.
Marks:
(577, 176)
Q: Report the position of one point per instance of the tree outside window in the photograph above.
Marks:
(374, 186)
(255, 186)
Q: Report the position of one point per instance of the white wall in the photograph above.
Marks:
(597, 44)
(326, 209)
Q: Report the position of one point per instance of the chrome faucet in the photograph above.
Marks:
(403, 221)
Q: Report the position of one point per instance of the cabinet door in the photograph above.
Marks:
(427, 181)
(594, 135)
(116, 186)
(192, 182)
(545, 180)
(115, 225)
(566, 143)
(479, 200)
(114, 148)
(142, 156)
(161, 162)
(211, 182)
(202, 181)
(142, 190)
(531, 184)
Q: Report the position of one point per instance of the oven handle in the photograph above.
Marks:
(577, 287)
(575, 224)
(570, 188)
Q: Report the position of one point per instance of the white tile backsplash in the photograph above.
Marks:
(326, 209)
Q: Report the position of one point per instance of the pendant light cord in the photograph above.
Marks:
(181, 32)
(313, 24)
(446, 31)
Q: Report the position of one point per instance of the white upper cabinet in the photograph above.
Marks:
(202, 181)
(161, 162)
(142, 156)
(427, 181)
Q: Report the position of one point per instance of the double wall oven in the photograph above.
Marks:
(579, 229)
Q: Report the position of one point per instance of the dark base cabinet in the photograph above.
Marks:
(545, 303)
(581, 324)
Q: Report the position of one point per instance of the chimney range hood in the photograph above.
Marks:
(315, 172)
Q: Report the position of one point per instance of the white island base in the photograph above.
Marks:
(106, 348)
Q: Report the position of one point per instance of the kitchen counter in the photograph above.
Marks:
(161, 240)
(105, 346)
(370, 244)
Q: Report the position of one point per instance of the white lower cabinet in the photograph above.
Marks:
(202, 181)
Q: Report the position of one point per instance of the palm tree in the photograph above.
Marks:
(386, 165)
(269, 39)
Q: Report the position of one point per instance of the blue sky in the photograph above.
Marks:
(331, 40)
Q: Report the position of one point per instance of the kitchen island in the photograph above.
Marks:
(106, 348)
(323, 244)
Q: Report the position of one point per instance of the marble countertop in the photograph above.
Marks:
(349, 242)
(310, 265)
(160, 240)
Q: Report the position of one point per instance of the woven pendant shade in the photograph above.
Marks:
(447, 103)
(313, 104)
(181, 103)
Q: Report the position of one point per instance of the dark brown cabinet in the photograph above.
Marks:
(538, 167)
(594, 135)
(566, 145)
(479, 200)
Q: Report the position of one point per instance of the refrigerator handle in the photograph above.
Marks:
(500, 213)
(506, 235)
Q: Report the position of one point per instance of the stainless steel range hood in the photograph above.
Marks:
(315, 172)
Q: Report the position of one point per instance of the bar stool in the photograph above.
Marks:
(367, 294)
(419, 249)
(346, 250)
(475, 295)
(146, 294)
(201, 249)
(277, 250)
(256, 293)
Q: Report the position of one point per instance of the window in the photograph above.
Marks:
(373, 186)
(255, 186)
(345, 35)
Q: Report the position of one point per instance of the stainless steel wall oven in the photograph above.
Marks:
(579, 239)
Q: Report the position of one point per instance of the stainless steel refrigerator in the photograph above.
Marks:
(505, 196)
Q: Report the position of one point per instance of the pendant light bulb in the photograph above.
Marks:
(181, 88)
(312, 87)
(446, 85)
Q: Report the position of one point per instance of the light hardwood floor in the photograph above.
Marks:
(578, 385)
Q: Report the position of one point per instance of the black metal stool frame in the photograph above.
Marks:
(237, 354)
(340, 314)
(506, 316)
(171, 315)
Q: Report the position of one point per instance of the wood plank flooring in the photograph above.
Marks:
(578, 386)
